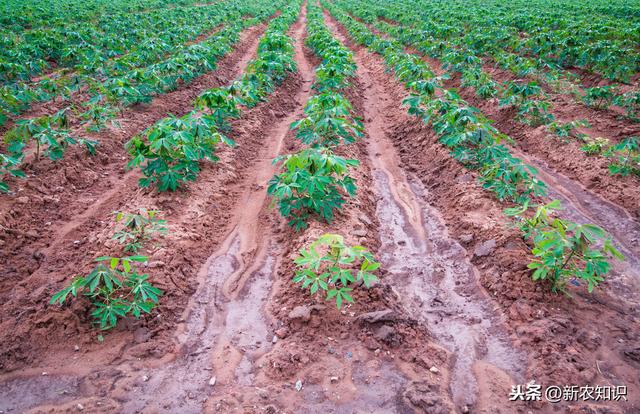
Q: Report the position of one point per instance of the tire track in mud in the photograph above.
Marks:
(430, 269)
(225, 327)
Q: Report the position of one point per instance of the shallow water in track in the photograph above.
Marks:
(21, 394)
(377, 390)
(430, 270)
(440, 289)
(184, 384)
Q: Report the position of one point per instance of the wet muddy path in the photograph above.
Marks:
(429, 269)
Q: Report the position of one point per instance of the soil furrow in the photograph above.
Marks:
(591, 176)
(579, 202)
(431, 270)
(224, 332)
(567, 340)
(202, 218)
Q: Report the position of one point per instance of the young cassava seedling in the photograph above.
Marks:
(565, 251)
(332, 267)
(137, 228)
(115, 289)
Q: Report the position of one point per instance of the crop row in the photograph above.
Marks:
(169, 153)
(473, 49)
(528, 97)
(563, 251)
(558, 38)
(53, 132)
(158, 50)
(314, 181)
(311, 179)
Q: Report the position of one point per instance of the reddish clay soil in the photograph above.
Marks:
(454, 322)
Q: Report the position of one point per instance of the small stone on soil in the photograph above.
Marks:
(298, 385)
(485, 249)
(466, 238)
(385, 315)
(304, 312)
(434, 370)
(359, 232)
(300, 312)
(364, 219)
(212, 381)
(385, 333)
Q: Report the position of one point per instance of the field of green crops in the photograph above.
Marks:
(320, 206)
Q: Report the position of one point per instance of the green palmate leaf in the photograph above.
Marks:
(329, 264)
(310, 183)
(109, 285)
(565, 250)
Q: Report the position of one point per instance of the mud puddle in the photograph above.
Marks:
(431, 271)
(440, 289)
(215, 322)
(373, 386)
(20, 394)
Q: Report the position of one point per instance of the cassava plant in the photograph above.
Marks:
(169, 153)
(564, 130)
(595, 146)
(9, 166)
(328, 121)
(137, 228)
(50, 132)
(332, 267)
(565, 251)
(115, 289)
(311, 181)
(625, 157)
(599, 97)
